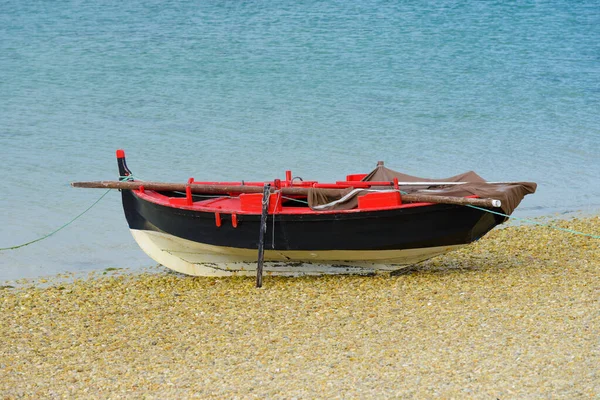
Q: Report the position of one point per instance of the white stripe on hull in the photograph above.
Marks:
(200, 259)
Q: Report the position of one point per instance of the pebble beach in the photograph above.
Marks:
(515, 315)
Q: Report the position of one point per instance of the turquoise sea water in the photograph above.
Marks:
(246, 90)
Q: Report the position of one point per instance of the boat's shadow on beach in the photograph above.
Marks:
(436, 266)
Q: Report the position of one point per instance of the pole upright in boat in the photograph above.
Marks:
(261, 235)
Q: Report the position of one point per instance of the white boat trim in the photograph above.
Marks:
(200, 259)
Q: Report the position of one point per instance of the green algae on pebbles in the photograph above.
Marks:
(515, 315)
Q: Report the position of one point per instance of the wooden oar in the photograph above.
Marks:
(461, 201)
(169, 187)
(288, 191)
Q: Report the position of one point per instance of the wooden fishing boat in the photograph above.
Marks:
(366, 223)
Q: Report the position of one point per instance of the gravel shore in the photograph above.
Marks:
(516, 315)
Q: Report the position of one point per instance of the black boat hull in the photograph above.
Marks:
(192, 242)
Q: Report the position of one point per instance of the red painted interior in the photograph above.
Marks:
(373, 201)
(231, 205)
(251, 203)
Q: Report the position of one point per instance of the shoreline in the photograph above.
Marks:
(515, 315)
(70, 275)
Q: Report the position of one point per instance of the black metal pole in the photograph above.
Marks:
(261, 235)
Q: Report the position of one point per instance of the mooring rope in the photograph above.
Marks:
(572, 231)
(274, 211)
(59, 229)
(293, 199)
(501, 214)
(529, 221)
(128, 177)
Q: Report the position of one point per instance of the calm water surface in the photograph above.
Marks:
(246, 90)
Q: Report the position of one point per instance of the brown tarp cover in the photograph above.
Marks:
(510, 194)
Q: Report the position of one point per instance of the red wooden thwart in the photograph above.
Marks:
(252, 202)
(379, 200)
